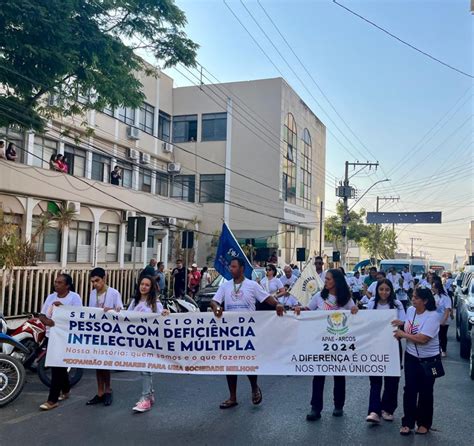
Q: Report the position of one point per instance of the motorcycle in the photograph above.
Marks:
(12, 372)
(32, 336)
(179, 305)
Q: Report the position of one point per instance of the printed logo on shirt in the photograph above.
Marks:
(413, 327)
(337, 324)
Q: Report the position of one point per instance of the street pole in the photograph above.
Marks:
(345, 218)
(412, 240)
(320, 230)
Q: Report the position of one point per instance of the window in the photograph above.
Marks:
(305, 181)
(109, 111)
(100, 167)
(162, 184)
(79, 242)
(108, 243)
(48, 242)
(305, 234)
(164, 126)
(184, 187)
(127, 115)
(212, 189)
(289, 159)
(214, 127)
(126, 174)
(16, 136)
(147, 118)
(185, 128)
(145, 180)
(76, 160)
(43, 149)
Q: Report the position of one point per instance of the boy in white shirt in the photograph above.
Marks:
(107, 298)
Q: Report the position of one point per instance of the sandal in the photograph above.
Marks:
(405, 430)
(227, 404)
(418, 432)
(257, 396)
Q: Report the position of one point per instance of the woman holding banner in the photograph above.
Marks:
(422, 361)
(146, 301)
(335, 296)
(384, 407)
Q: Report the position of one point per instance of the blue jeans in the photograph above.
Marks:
(147, 384)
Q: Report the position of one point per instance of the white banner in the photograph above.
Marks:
(314, 343)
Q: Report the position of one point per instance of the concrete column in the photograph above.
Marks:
(96, 213)
(153, 182)
(157, 108)
(165, 248)
(61, 147)
(64, 246)
(144, 244)
(135, 178)
(122, 239)
(89, 165)
(27, 222)
(30, 144)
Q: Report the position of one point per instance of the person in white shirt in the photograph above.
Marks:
(241, 294)
(335, 296)
(356, 285)
(288, 280)
(395, 278)
(319, 263)
(407, 279)
(371, 289)
(107, 298)
(443, 308)
(384, 406)
(421, 333)
(63, 295)
(146, 301)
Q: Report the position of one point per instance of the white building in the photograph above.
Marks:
(255, 157)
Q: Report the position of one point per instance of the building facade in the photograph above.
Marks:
(254, 157)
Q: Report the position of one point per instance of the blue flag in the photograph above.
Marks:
(228, 249)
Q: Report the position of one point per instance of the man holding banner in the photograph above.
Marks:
(241, 294)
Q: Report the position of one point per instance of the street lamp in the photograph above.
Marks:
(365, 193)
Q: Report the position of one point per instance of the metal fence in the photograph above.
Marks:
(24, 289)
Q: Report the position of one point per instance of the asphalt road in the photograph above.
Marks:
(187, 412)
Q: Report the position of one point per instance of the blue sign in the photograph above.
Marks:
(227, 250)
(403, 217)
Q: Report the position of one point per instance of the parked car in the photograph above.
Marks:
(465, 322)
(204, 296)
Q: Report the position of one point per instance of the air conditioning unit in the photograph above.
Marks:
(125, 215)
(172, 221)
(167, 147)
(174, 167)
(146, 158)
(74, 206)
(133, 132)
(133, 154)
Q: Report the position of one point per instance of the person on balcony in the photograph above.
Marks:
(115, 176)
(62, 164)
(11, 154)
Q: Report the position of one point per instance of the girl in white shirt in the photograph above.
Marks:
(146, 301)
(384, 406)
(335, 296)
(443, 308)
(272, 286)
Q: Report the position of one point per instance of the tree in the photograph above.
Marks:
(82, 52)
(356, 228)
(381, 243)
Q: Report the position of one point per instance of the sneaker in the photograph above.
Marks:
(337, 413)
(48, 406)
(373, 418)
(142, 406)
(313, 415)
(387, 416)
(96, 400)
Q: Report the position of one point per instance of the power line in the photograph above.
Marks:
(404, 42)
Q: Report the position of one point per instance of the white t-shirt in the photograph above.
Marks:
(271, 286)
(372, 288)
(365, 300)
(443, 303)
(407, 281)
(71, 299)
(402, 295)
(110, 299)
(143, 307)
(290, 282)
(240, 297)
(318, 303)
(205, 280)
(395, 279)
(355, 284)
(322, 275)
(401, 315)
(427, 324)
(288, 301)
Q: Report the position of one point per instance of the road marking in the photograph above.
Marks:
(30, 415)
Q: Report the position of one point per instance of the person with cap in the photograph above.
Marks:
(194, 280)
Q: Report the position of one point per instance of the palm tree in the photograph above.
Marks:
(64, 216)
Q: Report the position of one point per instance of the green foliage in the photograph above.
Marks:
(381, 243)
(82, 50)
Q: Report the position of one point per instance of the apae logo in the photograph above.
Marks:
(337, 324)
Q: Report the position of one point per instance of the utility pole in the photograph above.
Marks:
(412, 240)
(393, 199)
(346, 192)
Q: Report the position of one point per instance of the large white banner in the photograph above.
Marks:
(313, 343)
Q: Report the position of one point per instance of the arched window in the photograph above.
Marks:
(305, 181)
(289, 160)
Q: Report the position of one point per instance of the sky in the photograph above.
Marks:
(394, 105)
